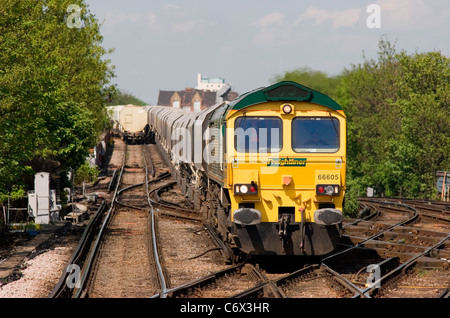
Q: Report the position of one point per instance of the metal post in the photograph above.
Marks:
(443, 187)
(8, 216)
(73, 185)
(4, 216)
(447, 193)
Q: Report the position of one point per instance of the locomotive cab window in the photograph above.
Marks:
(258, 134)
(315, 134)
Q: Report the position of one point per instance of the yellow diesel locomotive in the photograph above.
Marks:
(267, 170)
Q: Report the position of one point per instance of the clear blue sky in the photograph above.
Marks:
(164, 44)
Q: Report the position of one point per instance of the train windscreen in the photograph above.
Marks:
(258, 134)
(315, 134)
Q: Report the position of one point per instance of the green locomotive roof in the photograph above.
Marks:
(283, 91)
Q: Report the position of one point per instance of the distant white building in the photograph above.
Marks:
(210, 83)
(209, 91)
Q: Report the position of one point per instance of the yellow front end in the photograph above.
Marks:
(291, 203)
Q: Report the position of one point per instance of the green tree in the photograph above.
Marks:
(367, 93)
(122, 97)
(306, 76)
(398, 125)
(425, 105)
(53, 79)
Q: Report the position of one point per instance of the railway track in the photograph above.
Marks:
(395, 249)
(120, 260)
(130, 246)
(74, 279)
(363, 267)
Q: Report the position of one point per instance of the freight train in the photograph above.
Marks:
(267, 170)
(130, 123)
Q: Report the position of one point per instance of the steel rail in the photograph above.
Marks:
(81, 292)
(85, 247)
(61, 288)
(365, 214)
(162, 176)
(112, 181)
(266, 287)
(227, 253)
(358, 292)
(184, 213)
(403, 222)
(161, 276)
(404, 267)
(445, 293)
(198, 283)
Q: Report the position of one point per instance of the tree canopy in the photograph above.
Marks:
(53, 81)
(398, 121)
(318, 80)
(122, 97)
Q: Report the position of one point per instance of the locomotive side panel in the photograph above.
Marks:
(200, 129)
(215, 149)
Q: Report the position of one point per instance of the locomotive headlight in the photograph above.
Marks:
(243, 189)
(287, 108)
(327, 189)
